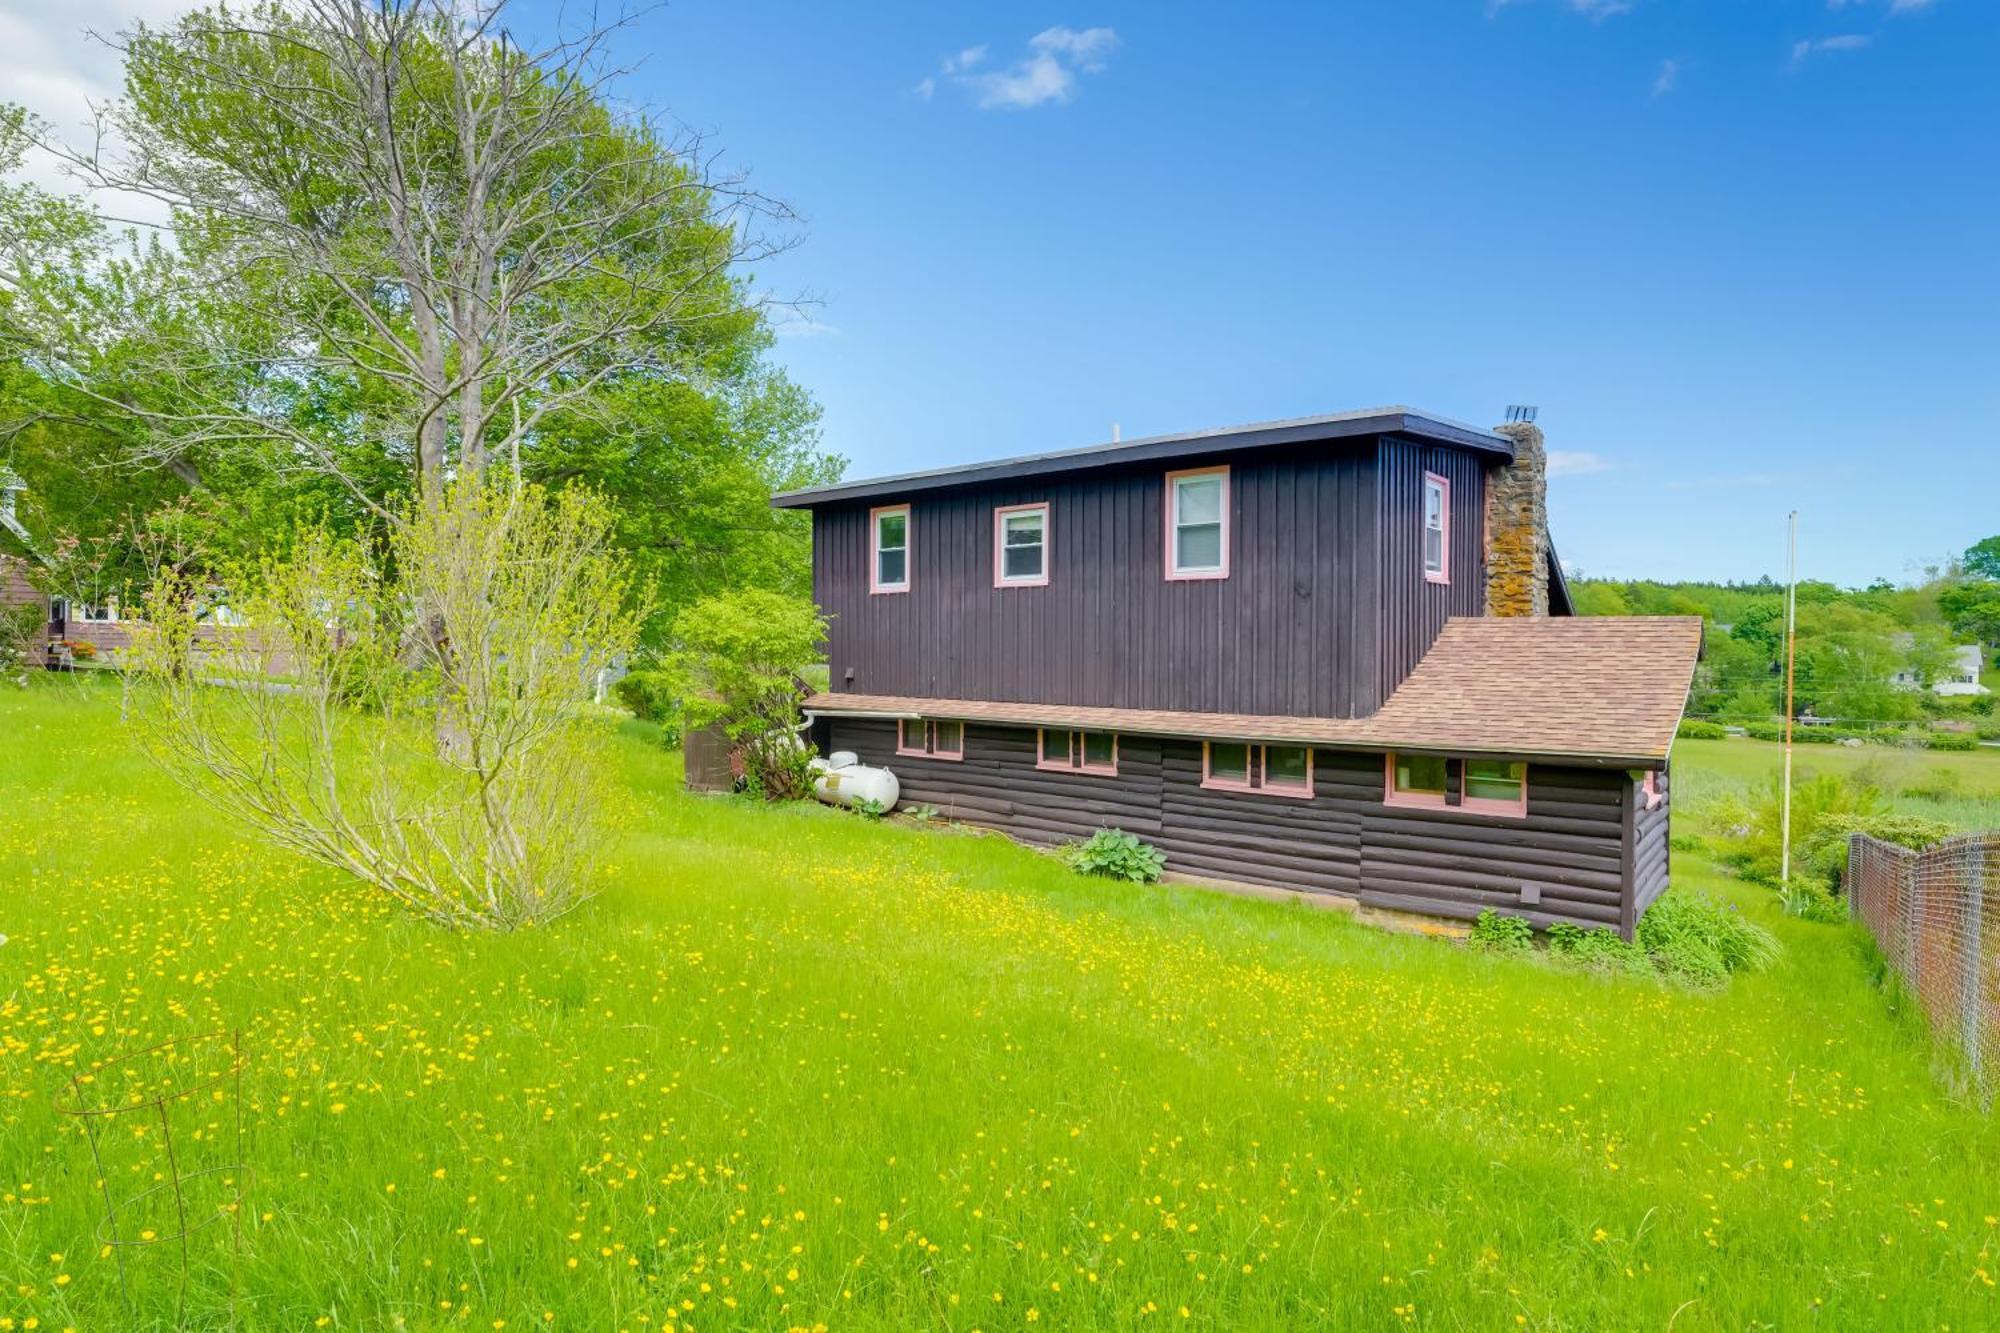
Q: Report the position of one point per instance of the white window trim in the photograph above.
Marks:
(1001, 514)
(1172, 522)
(1442, 484)
(875, 517)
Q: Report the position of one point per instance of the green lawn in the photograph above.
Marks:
(795, 1069)
(1959, 788)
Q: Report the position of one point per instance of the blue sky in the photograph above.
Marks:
(1743, 254)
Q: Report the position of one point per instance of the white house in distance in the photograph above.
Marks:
(1960, 678)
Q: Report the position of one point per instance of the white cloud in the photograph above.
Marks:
(1577, 463)
(1669, 75)
(58, 71)
(1047, 73)
(1908, 6)
(926, 88)
(1594, 10)
(1805, 50)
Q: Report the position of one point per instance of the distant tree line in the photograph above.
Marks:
(1851, 641)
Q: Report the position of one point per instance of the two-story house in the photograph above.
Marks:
(1331, 654)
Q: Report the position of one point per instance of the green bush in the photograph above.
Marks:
(1501, 934)
(1599, 950)
(1115, 854)
(1696, 730)
(1764, 731)
(1809, 901)
(646, 695)
(1699, 941)
(1951, 740)
(1754, 847)
(736, 662)
(1822, 851)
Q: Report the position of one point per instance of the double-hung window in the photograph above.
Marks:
(1269, 770)
(1198, 524)
(1078, 752)
(927, 738)
(1485, 786)
(1021, 546)
(1437, 528)
(889, 549)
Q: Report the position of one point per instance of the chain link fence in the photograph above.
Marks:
(1936, 916)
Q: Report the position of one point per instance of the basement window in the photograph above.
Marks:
(1198, 524)
(927, 738)
(889, 549)
(1078, 752)
(1021, 546)
(1437, 528)
(1268, 770)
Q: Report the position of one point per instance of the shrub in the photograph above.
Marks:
(1809, 901)
(1699, 941)
(20, 626)
(1764, 731)
(646, 695)
(1501, 934)
(1115, 854)
(737, 663)
(1951, 740)
(1757, 848)
(1823, 852)
(1695, 730)
(1599, 950)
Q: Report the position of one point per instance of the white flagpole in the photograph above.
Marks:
(1791, 656)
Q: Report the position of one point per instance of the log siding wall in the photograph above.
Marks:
(1651, 852)
(1571, 846)
(1324, 612)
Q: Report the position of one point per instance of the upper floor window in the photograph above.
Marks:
(1198, 524)
(1437, 528)
(1271, 770)
(927, 738)
(1079, 751)
(889, 549)
(1021, 546)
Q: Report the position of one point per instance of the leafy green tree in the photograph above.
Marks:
(1972, 609)
(738, 662)
(1982, 559)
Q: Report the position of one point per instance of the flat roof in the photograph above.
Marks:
(1402, 421)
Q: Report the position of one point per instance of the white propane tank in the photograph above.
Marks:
(842, 759)
(844, 785)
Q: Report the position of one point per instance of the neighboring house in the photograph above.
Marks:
(1961, 677)
(102, 626)
(1331, 654)
(17, 552)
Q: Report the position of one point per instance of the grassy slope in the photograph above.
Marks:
(1707, 768)
(794, 1068)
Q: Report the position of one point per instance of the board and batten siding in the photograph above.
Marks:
(1297, 629)
(1571, 846)
(1413, 608)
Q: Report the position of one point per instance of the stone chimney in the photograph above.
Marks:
(1517, 527)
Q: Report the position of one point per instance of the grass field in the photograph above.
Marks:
(794, 1069)
(1959, 788)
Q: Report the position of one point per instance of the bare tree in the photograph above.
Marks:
(307, 716)
(401, 239)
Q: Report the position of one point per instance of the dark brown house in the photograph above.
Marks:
(1332, 654)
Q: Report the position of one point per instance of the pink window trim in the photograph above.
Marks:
(1075, 762)
(1469, 805)
(875, 548)
(1422, 799)
(1167, 519)
(1258, 764)
(1442, 574)
(1000, 513)
(1652, 789)
(926, 747)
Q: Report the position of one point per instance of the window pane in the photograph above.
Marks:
(1198, 547)
(1024, 529)
(1433, 504)
(1229, 763)
(1493, 780)
(1055, 747)
(1433, 549)
(1022, 562)
(1200, 500)
(1100, 749)
(950, 737)
(909, 735)
(1420, 773)
(890, 566)
(1285, 766)
(892, 530)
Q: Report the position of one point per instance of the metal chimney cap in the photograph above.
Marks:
(1520, 412)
